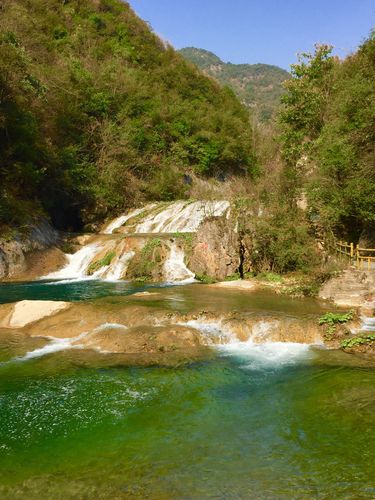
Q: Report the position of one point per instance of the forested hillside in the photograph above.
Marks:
(258, 86)
(97, 114)
(328, 139)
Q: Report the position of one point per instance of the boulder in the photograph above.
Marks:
(25, 312)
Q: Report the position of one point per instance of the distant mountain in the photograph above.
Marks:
(258, 86)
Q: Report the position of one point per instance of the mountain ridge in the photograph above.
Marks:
(258, 86)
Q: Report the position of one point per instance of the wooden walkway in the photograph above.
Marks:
(362, 258)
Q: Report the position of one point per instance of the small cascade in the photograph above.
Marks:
(175, 268)
(368, 324)
(118, 268)
(267, 355)
(120, 221)
(213, 332)
(257, 352)
(182, 217)
(77, 264)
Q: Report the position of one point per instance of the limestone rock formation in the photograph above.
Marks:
(216, 249)
(352, 288)
(13, 251)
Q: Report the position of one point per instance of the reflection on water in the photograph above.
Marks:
(70, 290)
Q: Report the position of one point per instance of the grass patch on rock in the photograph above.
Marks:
(98, 264)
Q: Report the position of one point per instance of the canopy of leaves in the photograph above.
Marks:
(97, 113)
(328, 137)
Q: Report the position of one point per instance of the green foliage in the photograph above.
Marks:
(332, 320)
(233, 277)
(328, 137)
(357, 341)
(272, 277)
(97, 115)
(204, 278)
(282, 243)
(145, 264)
(258, 86)
(150, 246)
(98, 264)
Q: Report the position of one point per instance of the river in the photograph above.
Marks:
(260, 421)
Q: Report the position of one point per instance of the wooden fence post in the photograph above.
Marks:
(357, 255)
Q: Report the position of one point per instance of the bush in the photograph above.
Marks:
(282, 243)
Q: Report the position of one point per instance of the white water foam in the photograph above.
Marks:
(182, 217)
(78, 263)
(213, 332)
(267, 355)
(175, 269)
(120, 221)
(63, 344)
(256, 356)
(119, 266)
(368, 324)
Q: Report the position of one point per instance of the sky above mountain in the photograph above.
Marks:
(267, 31)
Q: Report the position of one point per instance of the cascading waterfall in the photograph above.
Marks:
(254, 354)
(179, 216)
(119, 267)
(120, 221)
(182, 217)
(77, 264)
(174, 267)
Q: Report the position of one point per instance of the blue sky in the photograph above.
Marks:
(267, 31)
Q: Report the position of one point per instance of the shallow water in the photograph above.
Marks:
(268, 421)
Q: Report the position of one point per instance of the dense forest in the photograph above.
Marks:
(97, 114)
(328, 139)
(258, 86)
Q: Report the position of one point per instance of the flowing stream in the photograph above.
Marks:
(254, 420)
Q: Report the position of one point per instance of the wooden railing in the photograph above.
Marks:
(363, 258)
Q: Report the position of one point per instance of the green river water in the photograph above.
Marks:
(258, 423)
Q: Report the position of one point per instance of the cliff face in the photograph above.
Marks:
(216, 251)
(14, 251)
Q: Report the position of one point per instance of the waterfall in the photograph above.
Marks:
(368, 324)
(120, 221)
(253, 354)
(119, 267)
(77, 264)
(182, 217)
(176, 217)
(175, 268)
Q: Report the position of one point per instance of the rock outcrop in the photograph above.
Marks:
(15, 250)
(25, 312)
(352, 289)
(216, 251)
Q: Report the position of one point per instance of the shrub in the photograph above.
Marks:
(365, 340)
